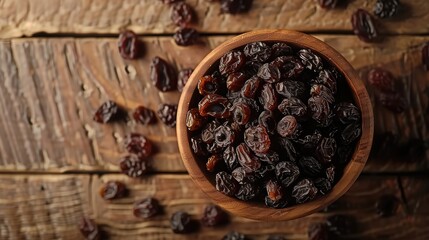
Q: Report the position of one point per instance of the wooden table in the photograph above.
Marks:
(59, 62)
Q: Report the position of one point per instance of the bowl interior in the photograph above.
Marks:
(353, 86)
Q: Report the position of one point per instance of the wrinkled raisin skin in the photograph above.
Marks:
(231, 62)
(113, 190)
(146, 208)
(182, 14)
(138, 144)
(382, 79)
(236, 6)
(364, 26)
(129, 45)
(214, 216)
(133, 166)
(386, 8)
(167, 114)
(109, 112)
(194, 121)
(162, 75)
(183, 77)
(89, 229)
(186, 36)
(181, 222)
(144, 115)
(226, 184)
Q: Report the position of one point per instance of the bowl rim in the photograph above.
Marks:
(351, 171)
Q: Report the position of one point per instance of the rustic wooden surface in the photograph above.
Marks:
(54, 158)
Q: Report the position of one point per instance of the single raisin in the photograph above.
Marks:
(320, 110)
(270, 157)
(144, 115)
(387, 205)
(246, 158)
(230, 158)
(304, 191)
(323, 185)
(268, 97)
(247, 192)
(250, 87)
(363, 26)
(224, 136)
(241, 113)
(182, 14)
(109, 112)
(274, 190)
(214, 216)
(208, 85)
(288, 127)
(129, 45)
(310, 142)
(208, 133)
(293, 106)
(290, 67)
(350, 133)
(186, 36)
(342, 224)
(226, 184)
(162, 75)
(89, 229)
(281, 49)
(394, 102)
(198, 146)
(138, 144)
(167, 114)
(425, 56)
(235, 81)
(386, 8)
(133, 166)
(267, 120)
(257, 139)
(236, 6)
(328, 4)
(257, 51)
(322, 91)
(181, 222)
(183, 77)
(213, 148)
(326, 150)
(146, 208)
(289, 148)
(214, 105)
(194, 121)
(266, 171)
(344, 154)
(282, 203)
(113, 190)
(231, 62)
(269, 72)
(287, 172)
(327, 78)
(310, 166)
(318, 231)
(382, 79)
(291, 89)
(233, 235)
(243, 175)
(213, 162)
(347, 112)
(310, 60)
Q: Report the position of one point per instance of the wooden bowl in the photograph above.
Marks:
(255, 210)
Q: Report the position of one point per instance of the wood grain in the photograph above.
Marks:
(27, 17)
(50, 88)
(43, 206)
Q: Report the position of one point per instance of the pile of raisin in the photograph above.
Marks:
(274, 123)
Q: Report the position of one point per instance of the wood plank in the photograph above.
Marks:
(27, 17)
(178, 192)
(50, 89)
(43, 206)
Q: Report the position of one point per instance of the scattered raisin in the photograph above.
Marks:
(318, 231)
(182, 14)
(363, 26)
(133, 166)
(113, 190)
(194, 121)
(181, 222)
(183, 77)
(386, 8)
(226, 183)
(162, 75)
(89, 229)
(214, 216)
(394, 102)
(233, 235)
(144, 115)
(167, 114)
(109, 112)
(304, 191)
(236, 6)
(186, 36)
(387, 205)
(129, 45)
(382, 79)
(146, 208)
(138, 144)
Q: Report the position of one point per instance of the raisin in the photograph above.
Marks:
(322, 91)
(270, 157)
(257, 51)
(394, 102)
(347, 112)
(287, 172)
(186, 36)
(243, 175)
(274, 191)
(382, 79)
(330, 174)
(162, 75)
(183, 77)
(281, 49)
(268, 97)
(235, 81)
(144, 115)
(363, 26)
(208, 85)
(250, 87)
(266, 171)
(282, 203)
(133, 166)
(214, 105)
(233, 235)
(241, 113)
(247, 192)
(328, 3)
(167, 114)
(113, 190)
(342, 224)
(213, 148)
(230, 157)
(327, 78)
(257, 139)
(146, 208)
(194, 121)
(208, 133)
(266, 119)
(270, 73)
(109, 112)
(129, 45)
(236, 6)
(290, 67)
(310, 60)
(290, 149)
(214, 216)
(326, 150)
(198, 146)
(318, 231)
(344, 154)
(138, 144)
(310, 142)
(323, 185)
(310, 166)
(387, 205)
(304, 191)
(386, 8)
(246, 158)
(89, 229)
(213, 162)
(224, 136)
(320, 110)
(350, 133)
(226, 184)
(425, 56)
(293, 106)
(181, 222)
(291, 89)
(288, 127)
(231, 62)
(182, 14)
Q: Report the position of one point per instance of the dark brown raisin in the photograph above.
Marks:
(290, 149)
(182, 14)
(320, 110)
(330, 174)
(243, 175)
(133, 166)
(247, 192)
(224, 136)
(257, 51)
(328, 3)
(194, 121)
(274, 191)
(291, 89)
(146, 208)
(198, 146)
(425, 56)
(208, 133)
(226, 184)
(326, 150)
(304, 191)
(310, 60)
(310, 166)
(109, 112)
(231, 62)
(310, 142)
(327, 78)
(138, 144)
(213, 162)
(208, 85)
(322, 91)
(113, 190)
(233, 235)
(288, 127)
(318, 231)
(214, 216)
(235, 81)
(269, 73)
(394, 102)
(382, 79)
(246, 158)
(89, 229)
(293, 106)
(250, 87)
(236, 6)
(347, 112)
(181, 222)
(342, 224)
(268, 97)
(129, 45)
(287, 172)
(270, 157)
(290, 67)
(387, 205)
(267, 120)
(281, 49)
(183, 77)
(282, 203)
(363, 26)
(386, 8)
(241, 113)
(162, 75)
(186, 36)
(323, 185)
(257, 139)
(144, 115)
(167, 114)
(214, 105)
(230, 158)
(350, 133)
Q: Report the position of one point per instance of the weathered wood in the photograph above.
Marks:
(27, 17)
(178, 192)
(50, 88)
(43, 206)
